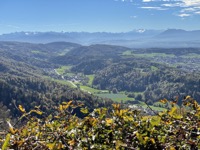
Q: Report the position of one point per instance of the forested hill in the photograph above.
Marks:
(24, 81)
(92, 52)
(149, 74)
(29, 74)
(35, 54)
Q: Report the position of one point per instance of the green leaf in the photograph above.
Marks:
(155, 121)
(6, 143)
(171, 112)
(84, 110)
(120, 144)
(51, 146)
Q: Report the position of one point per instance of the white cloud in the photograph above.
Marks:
(172, 5)
(191, 9)
(141, 30)
(184, 8)
(184, 15)
(153, 8)
(189, 3)
(133, 17)
(145, 1)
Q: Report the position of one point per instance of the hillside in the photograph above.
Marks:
(91, 52)
(24, 79)
(154, 73)
(31, 71)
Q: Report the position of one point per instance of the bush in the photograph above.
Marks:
(176, 128)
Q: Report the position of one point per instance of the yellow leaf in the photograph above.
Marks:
(51, 146)
(155, 120)
(187, 97)
(71, 143)
(128, 118)
(93, 121)
(57, 117)
(168, 122)
(84, 110)
(116, 106)
(20, 143)
(37, 107)
(120, 144)
(164, 101)
(145, 139)
(120, 112)
(59, 146)
(171, 112)
(12, 130)
(64, 103)
(36, 111)
(109, 121)
(172, 148)
(21, 109)
(152, 141)
(65, 106)
(196, 105)
(60, 107)
(177, 116)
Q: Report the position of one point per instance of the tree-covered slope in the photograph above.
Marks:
(91, 52)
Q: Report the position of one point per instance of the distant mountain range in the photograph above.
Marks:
(137, 38)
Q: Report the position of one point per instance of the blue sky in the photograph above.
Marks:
(98, 15)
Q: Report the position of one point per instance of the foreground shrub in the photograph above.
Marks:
(176, 128)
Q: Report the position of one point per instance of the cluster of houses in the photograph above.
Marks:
(186, 64)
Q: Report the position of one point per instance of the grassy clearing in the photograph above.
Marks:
(62, 69)
(153, 68)
(64, 52)
(151, 55)
(37, 52)
(191, 55)
(91, 78)
(115, 97)
(127, 53)
(65, 82)
(91, 90)
(152, 107)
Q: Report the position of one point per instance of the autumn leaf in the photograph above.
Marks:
(72, 142)
(171, 112)
(84, 110)
(152, 140)
(11, 128)
(36, 111)
(187, 97)
(109, 121)
(66, 105)
(21, 109)
(116, 106)
(164, 101)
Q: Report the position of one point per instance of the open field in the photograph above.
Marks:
(89, 89)
(62, 69)
(152, 107)
(115, 97)
(91, 78)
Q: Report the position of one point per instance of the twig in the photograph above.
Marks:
(152, 109)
